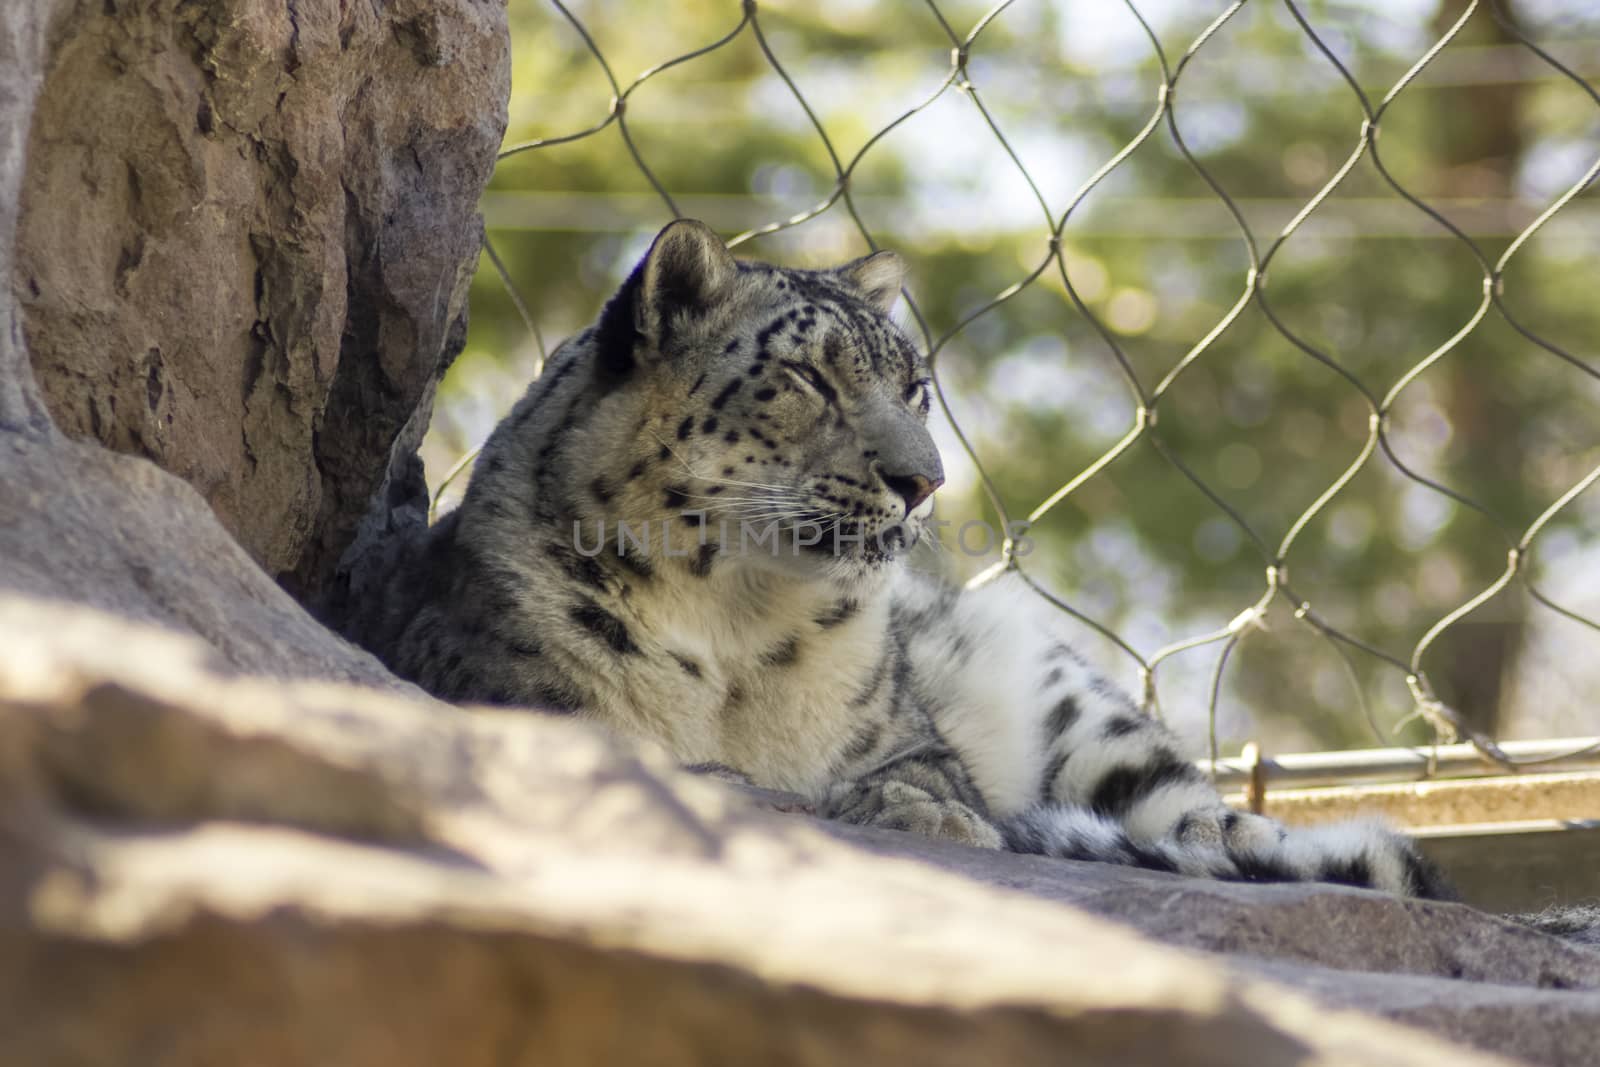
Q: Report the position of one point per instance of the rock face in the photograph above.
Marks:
(77, 524)
(200, 863)
(228, 837)
(247, 230)
(22, 28)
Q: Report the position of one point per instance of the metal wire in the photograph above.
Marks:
(1446, 724)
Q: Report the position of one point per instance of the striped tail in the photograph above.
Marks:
(1364, 854)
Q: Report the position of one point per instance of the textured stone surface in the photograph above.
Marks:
(318, 874)
(1449, 968)
(83, 525)
(247, 230)
(22, 28)
(1326, 926)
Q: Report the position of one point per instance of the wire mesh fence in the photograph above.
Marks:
(1464, 224)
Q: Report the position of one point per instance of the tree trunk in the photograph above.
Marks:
(1479, 133)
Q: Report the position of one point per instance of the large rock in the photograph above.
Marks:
(246, 235)
(80, 524)
(316, 873)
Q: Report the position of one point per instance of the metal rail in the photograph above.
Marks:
(1376, 766)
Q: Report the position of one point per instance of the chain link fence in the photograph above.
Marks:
(1057, 223)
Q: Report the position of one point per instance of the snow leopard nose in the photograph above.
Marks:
(912, 488)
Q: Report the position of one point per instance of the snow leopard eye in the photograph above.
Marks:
(812, 379)
(919, 395)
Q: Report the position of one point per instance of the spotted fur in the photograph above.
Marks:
(712, 396)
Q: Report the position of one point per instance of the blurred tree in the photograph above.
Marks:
(1478, 141)
(1370, 282)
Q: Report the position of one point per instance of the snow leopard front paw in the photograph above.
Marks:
(896, 805)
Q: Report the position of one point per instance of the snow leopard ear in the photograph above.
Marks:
(878, 276)
(687, 269)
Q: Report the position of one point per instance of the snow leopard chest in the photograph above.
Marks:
(772, 687)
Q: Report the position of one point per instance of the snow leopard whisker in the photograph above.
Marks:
(731, 501)
(713, 479)
(751, 501)
(716, 480)
(767, 512)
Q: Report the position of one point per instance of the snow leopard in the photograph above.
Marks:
(693, 529)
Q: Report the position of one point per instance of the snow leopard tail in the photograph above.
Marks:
(1364, 854)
